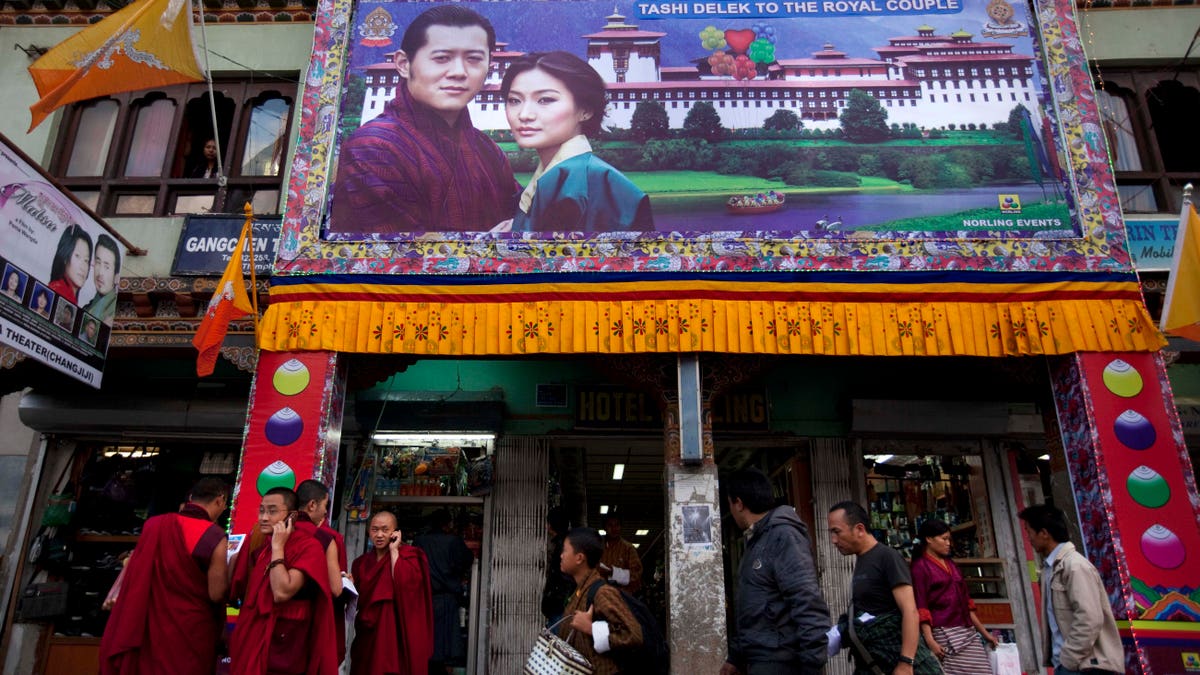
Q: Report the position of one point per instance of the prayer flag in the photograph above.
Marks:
(229, 301)
(1181, 308)
(146, 44)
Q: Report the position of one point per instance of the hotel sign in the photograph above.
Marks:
(604, 408)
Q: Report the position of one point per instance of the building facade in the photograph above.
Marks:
(834, 395)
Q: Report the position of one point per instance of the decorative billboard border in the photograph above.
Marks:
(1101, 246)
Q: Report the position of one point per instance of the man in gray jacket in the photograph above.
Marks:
(1080, 632)
(781, 615)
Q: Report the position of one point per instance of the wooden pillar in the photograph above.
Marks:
(1135, 493)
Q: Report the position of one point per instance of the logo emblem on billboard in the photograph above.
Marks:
(1010, 203)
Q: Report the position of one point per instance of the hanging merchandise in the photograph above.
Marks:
(357, 503)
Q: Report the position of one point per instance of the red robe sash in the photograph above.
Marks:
(163, 621)
(259, 613)
(393, 632)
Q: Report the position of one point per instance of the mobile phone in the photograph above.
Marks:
(394, 538)
(291, 518)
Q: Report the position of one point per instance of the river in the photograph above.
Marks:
(853, 209)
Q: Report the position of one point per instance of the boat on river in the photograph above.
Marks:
(756, 204)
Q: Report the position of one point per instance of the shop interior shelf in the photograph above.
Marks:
(414, 499)
(962, 527)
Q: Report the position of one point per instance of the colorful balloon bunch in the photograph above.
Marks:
(747, 47)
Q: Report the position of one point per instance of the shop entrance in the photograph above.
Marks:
(595, 480)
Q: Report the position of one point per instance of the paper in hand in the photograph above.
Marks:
(621, 576)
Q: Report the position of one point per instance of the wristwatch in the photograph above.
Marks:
(906, 659)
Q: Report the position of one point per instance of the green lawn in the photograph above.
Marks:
(664, 183)
(954, 221)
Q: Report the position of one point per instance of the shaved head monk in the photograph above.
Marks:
(285, 624)
(393, 632)
(170, 611)
(314, 506)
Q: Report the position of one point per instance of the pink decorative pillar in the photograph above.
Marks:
(293, 429)
(1135, 493)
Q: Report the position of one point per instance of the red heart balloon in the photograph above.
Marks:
(739, 40)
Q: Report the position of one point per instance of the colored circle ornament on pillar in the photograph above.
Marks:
(1148, 487)
(284, 427)
(1163, 548)
(1122, 379)
(277, 474)
(291, 378)
(1134, 430)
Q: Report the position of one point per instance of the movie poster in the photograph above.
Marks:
(861, 119)
(60, 270)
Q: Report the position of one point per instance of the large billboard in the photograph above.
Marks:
(60, 267)
(871, 177)
(871, 119)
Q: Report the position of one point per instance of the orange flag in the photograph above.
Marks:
(1181, 308)
(229, 301)
(146, 44)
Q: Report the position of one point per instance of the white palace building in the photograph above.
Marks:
(929, 80)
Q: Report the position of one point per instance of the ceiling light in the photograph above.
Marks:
(602, 533)
(637, 545)
(878, 459)
(603, 509)
(618, 471)
(641, 533)
(1045, 458)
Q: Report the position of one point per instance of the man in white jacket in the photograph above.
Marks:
(1080, 632)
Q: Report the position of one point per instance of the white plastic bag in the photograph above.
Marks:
(1005, 658)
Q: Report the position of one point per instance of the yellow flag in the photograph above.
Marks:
(229, 301)
(146, 44)
(1181, 308)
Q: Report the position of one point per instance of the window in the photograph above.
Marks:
(142, 153)
(1150, 138)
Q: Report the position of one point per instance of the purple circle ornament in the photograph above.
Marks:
(284, 427)
(1134, 430)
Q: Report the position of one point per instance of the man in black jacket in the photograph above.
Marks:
(782, 619)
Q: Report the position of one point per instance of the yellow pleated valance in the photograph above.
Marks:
(680, 324)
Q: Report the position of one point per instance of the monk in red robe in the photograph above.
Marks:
(285, 625)
(169, 612)
(314, 505)
(393, 632)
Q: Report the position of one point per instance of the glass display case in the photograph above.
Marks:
(431, 465)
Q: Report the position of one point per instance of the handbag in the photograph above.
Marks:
(860, 650)
(61, 503)
(45, 601)
(552, 655)
(1005, 659)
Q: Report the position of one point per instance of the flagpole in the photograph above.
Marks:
(1180, 233)
(222, 181)
(249, 211)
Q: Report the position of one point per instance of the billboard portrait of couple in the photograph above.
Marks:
(647, 125)
(421, 166)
